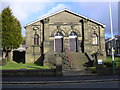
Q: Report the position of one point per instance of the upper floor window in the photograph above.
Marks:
(36, 39)
(94, 39)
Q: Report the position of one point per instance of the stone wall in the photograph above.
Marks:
(32, 52)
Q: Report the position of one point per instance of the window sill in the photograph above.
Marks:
(94, 44)
(35, 45)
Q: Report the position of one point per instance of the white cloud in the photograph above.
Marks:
(61, 0)
(23, 10)
(58, 7)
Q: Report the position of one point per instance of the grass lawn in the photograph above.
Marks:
(109, 60)
(116, 60)
(14, 65)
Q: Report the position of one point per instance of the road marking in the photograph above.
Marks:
(50, 82)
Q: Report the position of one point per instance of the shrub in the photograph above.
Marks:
(108, 64)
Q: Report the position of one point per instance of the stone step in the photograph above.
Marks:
(78, 59)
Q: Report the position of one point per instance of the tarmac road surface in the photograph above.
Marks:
(61, 78)
(111, 84)
(62, 82)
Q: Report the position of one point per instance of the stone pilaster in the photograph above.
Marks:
(86, 37)
(102, 40)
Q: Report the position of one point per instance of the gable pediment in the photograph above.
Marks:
(65, 15)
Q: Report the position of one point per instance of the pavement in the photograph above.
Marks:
(62, 79)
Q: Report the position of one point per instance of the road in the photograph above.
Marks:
(112, 84)
(61, 82)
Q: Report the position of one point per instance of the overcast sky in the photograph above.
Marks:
(28, 11)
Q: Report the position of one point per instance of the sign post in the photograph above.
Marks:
(99, 61)
(113, 65)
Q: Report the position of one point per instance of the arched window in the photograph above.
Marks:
(36, 39)
(73, 42)
(58, 34)
(58, 42)
(73, 34)
(94, 39)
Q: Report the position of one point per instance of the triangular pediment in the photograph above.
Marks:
(68, 12)
(65, 16)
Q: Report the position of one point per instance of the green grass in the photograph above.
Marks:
(14, 65)
(91, 68)
(109, 59)
(116, 60)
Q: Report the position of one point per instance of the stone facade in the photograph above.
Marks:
(74, 31)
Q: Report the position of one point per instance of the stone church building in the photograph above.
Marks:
(64, 38)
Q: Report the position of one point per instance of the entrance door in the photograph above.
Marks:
(73, 43)
(19, 56)
(58, 44)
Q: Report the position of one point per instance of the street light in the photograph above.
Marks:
(113, 64)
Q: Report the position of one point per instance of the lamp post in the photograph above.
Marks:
(113, 64)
